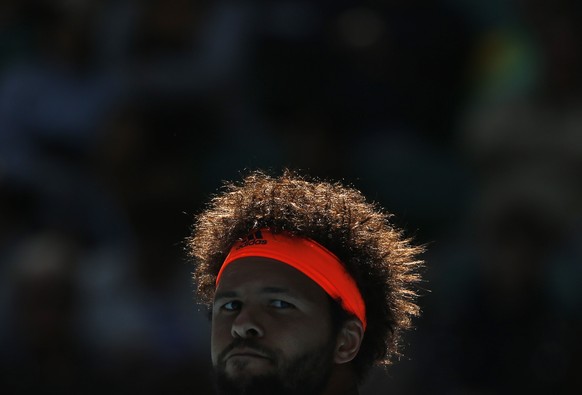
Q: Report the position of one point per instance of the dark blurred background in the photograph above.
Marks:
(119, 118)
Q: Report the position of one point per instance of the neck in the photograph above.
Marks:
(343, 381)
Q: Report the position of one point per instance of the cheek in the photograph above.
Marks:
(295, 338)
(220, 337)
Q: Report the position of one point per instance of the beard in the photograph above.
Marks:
(305, 374)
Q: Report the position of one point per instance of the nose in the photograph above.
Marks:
(246, 325)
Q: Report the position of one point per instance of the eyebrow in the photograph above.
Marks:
(225, 295)
(264, 290)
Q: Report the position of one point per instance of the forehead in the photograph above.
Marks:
(255, 273)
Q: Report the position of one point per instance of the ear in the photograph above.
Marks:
(348, 341)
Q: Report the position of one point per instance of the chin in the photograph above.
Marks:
(245, 367)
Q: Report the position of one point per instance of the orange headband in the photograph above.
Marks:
(310, 258)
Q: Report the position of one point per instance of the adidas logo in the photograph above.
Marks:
(255, 238)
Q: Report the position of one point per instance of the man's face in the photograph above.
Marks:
(271, 330)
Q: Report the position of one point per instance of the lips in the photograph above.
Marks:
(246, 353)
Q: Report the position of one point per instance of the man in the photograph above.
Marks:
(309, 285)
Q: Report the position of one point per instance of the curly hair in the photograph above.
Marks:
(383, 262)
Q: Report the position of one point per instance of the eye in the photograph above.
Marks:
(281, 304)
(233, 305)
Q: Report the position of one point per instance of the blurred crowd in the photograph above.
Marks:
(118, 118)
